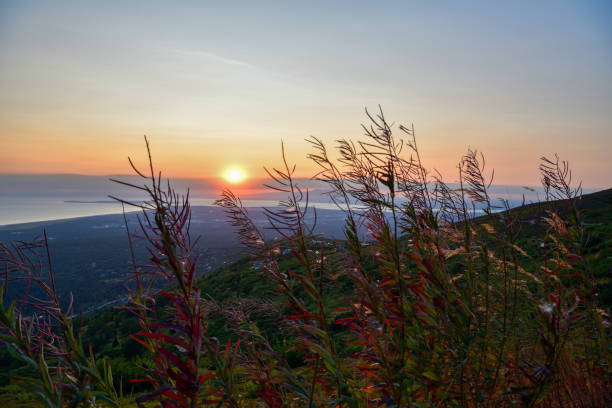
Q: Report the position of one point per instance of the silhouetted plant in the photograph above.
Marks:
(444, 308)
(446, 316)
(177, 339)
(64, 373)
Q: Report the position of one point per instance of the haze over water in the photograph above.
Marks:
(43, 198)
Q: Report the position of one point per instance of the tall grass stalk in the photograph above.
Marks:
(423, 304)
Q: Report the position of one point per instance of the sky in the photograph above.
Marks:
(220, 84)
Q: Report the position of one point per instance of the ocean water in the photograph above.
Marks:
(33, 198)
(26, 199)
(18, 210)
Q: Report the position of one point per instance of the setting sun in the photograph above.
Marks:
(234, 175)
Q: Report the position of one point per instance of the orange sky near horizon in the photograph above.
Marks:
(210, 157)
(81, 84)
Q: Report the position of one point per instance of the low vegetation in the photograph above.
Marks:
(423, 304)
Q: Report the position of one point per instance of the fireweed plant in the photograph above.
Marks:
(64, 372)
(444, 307)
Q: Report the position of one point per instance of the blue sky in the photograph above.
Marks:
(220, 84)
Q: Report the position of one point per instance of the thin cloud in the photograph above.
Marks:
(212, 57)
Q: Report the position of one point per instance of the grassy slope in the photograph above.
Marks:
(596, 215)
(108, 331)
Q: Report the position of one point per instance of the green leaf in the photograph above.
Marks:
(430, 375)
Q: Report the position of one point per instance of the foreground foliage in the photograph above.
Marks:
(424, 304)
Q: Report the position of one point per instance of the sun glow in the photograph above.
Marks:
(234, 175)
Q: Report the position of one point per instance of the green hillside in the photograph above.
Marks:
(109, 331)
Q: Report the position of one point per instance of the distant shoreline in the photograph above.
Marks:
(92, 202)
(16, 210)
